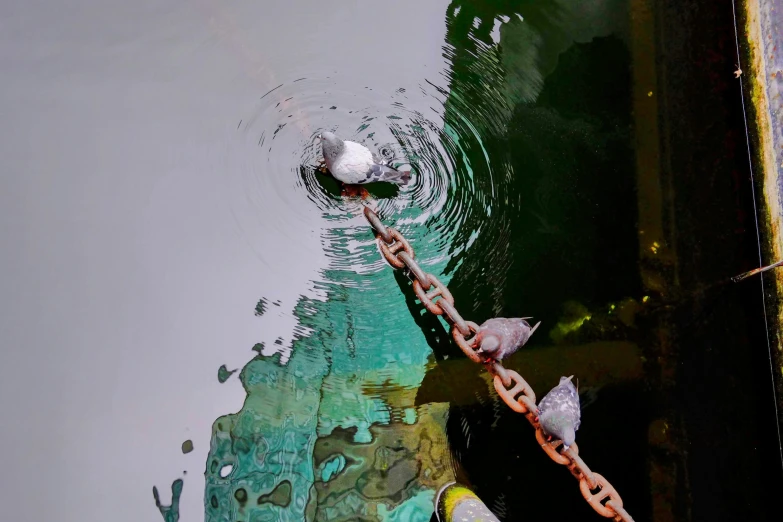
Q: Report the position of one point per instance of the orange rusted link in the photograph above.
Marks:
(578, 468)
(622, 514)
(497, 370)
(427, 298)
(413, 267)
(389, 251)
(376, 224)
(607, 491)
(509, 396)
(395, 247)
(510, 386)
(466, 344)
(454, 317)
(532, 414)
(550, 447)
(525, 401)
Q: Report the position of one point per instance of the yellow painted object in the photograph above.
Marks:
(457, 503)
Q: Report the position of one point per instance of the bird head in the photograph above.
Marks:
(488, 343)
(568, 436)
(331, 145)
(568, 383)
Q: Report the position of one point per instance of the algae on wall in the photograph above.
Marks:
(763, 74)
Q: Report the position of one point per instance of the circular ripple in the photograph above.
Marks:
(282, 192)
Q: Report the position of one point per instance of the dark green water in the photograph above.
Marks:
(583, 163)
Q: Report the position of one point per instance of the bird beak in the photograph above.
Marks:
(570, 377)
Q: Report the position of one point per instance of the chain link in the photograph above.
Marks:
(521, 398)
(428, 298)
(390, 250)
(509, 385)
(606, 492)
(578, 468)
(550, 446)
(378, 226)
(497, 370)
(413, 268)
(467, 345)
(453, 316)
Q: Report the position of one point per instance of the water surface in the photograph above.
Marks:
(166, 220)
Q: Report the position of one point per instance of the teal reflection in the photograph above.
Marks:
(336, 429)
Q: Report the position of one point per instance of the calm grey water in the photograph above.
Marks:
(133, 254)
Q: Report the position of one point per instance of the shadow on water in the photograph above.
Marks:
(563, 245)
(584, 175)
(668, 437)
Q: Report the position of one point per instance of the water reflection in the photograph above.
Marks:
(335, 424)
(553, 83)
(330, 428)
(149, 148)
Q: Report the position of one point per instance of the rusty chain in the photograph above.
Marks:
(510, 386)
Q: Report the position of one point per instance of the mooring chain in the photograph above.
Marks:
(510, 386)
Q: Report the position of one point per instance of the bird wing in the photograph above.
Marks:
(356, 166)
(547, 402)
(375, 173)
(379, 172)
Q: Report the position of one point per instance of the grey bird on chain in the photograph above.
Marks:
(500, 337)
(354, 164)
(559, 412)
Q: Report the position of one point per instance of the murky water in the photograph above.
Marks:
(169, 226)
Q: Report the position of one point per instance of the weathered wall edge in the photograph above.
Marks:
(760, 42)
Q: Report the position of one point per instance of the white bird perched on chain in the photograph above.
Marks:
(354, 164)
(559, 412)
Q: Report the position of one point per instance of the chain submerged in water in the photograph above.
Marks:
(510, 386)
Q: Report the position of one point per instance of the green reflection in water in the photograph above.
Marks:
(333, 433)
(170, 513)
(337, 432)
